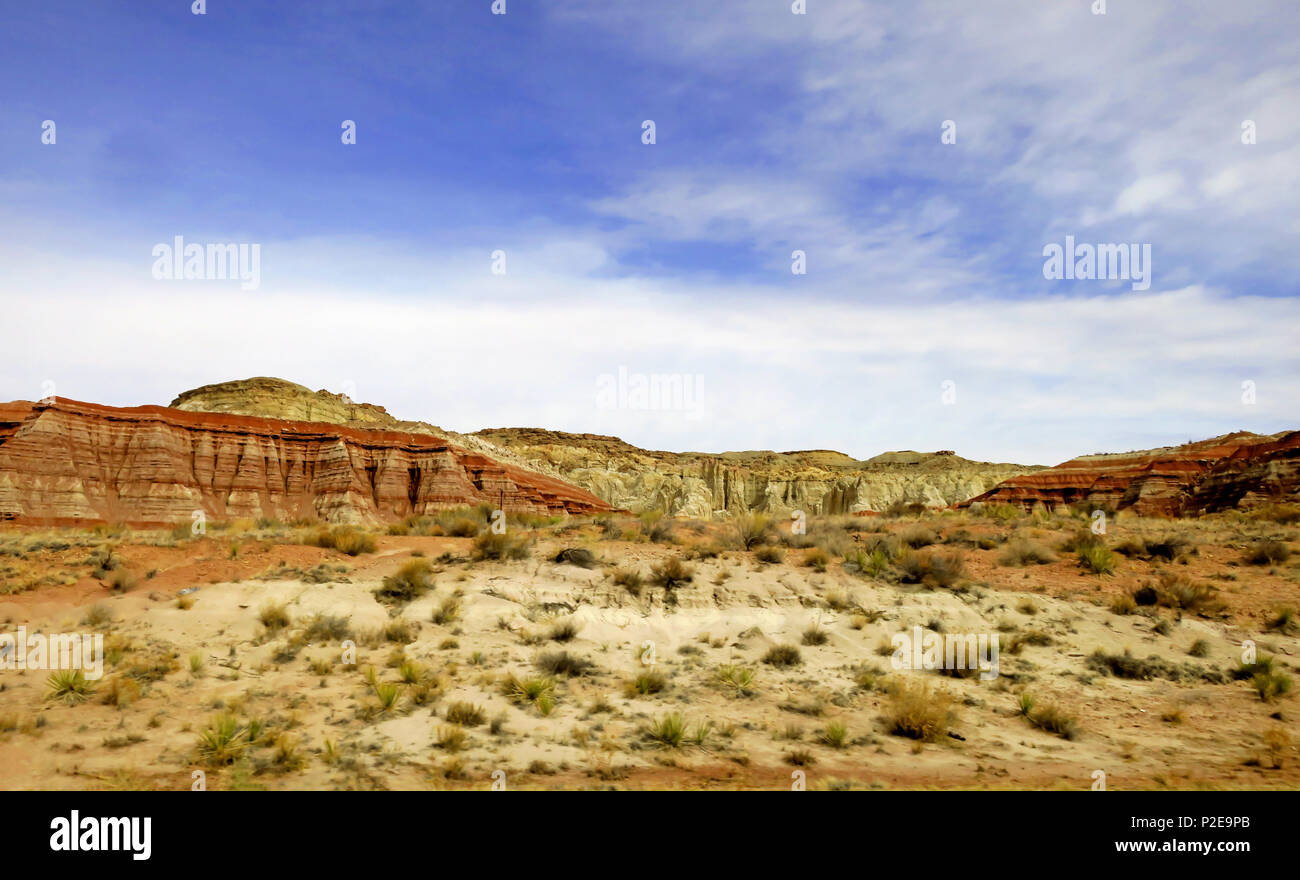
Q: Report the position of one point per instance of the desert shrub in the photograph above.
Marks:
(1282, 514)
(707, 551)
(1032, 637)
(1123, 604)
(872, 563)
(97, 615)
(274, 616)
(447, 611)
(579, 556)
(1133, 548)
(646, 683)
(1127, 666)
(327, 628)
(461, 527)
(1199, 648)
(629, 580)
(563, 631)
(817, 559)
(465, 713)
(344, 539)
(1270, 685)
(103, 560)
(1096, 558)
(120, 692)
(122, 581)
(1176, 591)
(410, 671)
(671, 574)
(1264, 663)
(450, 737)
(409, 582)
(752, 529)
(782, 655)
(904, 508)
(491, 545)
(1049, 717)
(814, 635)
(769, 553)
(933, 568)
(918, 536)
(655, 527)
(399, 631)
(1003, 512)
(1267, 553)
(564, 663)
(917, 711)
(1168, 548)
(1146, 596)
(1021, 552)
(1080, 540)
(1283, 621)
(835, 734)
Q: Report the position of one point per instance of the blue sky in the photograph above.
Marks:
(774, 132)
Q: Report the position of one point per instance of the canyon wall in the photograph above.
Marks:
(1239, 470)
(624, 476)
(64, 461)
(706, 484)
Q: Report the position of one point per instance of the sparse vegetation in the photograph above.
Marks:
(671, 574)
(1096, 558)
(344, 539)
(500, 547)
(409, 582)
(782, 655)
(918, 711)
(1267, 553)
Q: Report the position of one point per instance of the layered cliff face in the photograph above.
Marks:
(704, 484)
(1235, 470)
(625, 476)
(268, 397)
(65, 461)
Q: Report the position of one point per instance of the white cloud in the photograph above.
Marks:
(1038, 380)
(1154, 191)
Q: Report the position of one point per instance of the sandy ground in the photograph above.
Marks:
(194, 657)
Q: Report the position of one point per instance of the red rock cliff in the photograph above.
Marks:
(65, 461)
(1235, 470)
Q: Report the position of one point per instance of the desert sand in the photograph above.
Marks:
(228, 654)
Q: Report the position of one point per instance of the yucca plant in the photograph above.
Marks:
(388, 694)
(528, 690)
(69, 685)
(1097, 558)
(668, 731)
(411, 671)
(835, 734)
(223, 742)
(738, 678)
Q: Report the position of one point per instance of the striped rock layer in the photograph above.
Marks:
(63, 462)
